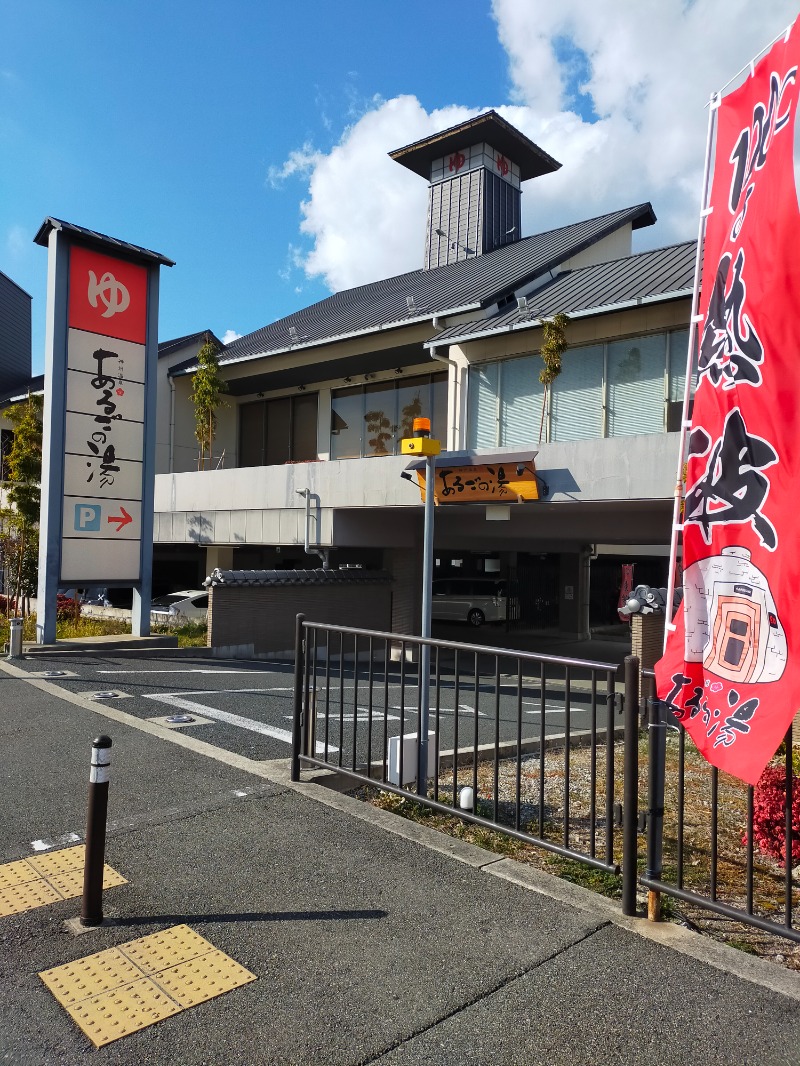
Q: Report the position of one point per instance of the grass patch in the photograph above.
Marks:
(578, 873)
(190, 634)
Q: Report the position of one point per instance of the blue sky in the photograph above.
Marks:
(247, 140)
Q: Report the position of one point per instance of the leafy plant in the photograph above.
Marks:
(769, 815)
(19, 523)
(554, 344)
(207, 390)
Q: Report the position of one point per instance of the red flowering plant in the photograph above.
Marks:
(769, 815)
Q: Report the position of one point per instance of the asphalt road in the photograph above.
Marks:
(373, 940)
(246, 707)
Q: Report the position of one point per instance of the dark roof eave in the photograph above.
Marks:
(99, 240)
(534, 323)
(532, 160)
(181, 370)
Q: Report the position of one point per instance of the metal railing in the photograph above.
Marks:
(503, 730)
(701, 843)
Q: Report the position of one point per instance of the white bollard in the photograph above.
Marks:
(15, 638)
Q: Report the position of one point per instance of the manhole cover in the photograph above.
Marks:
(105, 696)
(180, 719)
(54, 673)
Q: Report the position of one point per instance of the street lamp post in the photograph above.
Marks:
(422, 444)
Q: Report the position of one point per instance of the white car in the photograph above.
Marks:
(469, 599)
(189, 605)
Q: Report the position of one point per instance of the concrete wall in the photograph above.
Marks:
(618, 245)
(262, 618)
(262, 505)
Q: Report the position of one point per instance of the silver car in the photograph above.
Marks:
(469, 599)
(190, 605)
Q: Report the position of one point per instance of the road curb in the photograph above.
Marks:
(685, 941)
(667, 934)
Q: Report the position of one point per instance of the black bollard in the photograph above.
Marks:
(92, 902)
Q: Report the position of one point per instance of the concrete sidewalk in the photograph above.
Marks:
(374, 940)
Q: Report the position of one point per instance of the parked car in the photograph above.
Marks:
(189, 605)
(469, 599)
(94, 596)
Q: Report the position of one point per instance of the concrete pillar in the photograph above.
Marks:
(647, 639)
(218, 557)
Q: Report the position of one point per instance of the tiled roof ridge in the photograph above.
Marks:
(255, 578)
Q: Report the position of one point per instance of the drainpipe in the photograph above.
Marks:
(588, 553)
(321, 552)
(171, 423)
(453, 431)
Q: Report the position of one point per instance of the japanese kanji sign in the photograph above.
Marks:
(104, 429)
(491, 483)
(731, 670)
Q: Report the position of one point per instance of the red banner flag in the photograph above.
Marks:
(731, 670)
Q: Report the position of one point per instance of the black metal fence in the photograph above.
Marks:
(547, 750)
(505, 729)
(702, 832)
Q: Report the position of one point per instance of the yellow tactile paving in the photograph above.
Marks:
(121, 1012)
(58, 862)
(26, 897)
(121, 990)
(204, 978)
(91, 976)
(43, 879)
(70, 884)
(170, 947)
(16, 873)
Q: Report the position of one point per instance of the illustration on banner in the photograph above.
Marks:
(732, 623)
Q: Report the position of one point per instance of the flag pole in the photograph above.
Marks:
(694, 329)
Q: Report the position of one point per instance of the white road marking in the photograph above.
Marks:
(231, 719)
(197, 670)
(360, 718)
(46, 845)
(471, 710)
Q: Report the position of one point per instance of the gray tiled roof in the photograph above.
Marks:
(592, 289)
(167, 347)
(469, 284)
(91, 236)
(351, 576)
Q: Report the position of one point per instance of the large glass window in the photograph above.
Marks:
(278, 431)
(636, 372)
(615, 389)
(483, 410)
(372, 419)
(576, 402)
(521, 397)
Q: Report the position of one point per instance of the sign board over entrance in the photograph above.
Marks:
(509, 481)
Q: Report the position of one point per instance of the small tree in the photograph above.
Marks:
(207, 389)
(19, 523)
(554, 344)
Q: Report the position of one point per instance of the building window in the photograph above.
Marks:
(620, 388)
(278, 431)
(372, 419)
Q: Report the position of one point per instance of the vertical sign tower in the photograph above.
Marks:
(96, 524)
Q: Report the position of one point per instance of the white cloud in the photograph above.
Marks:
(230, 335)
(643, 71)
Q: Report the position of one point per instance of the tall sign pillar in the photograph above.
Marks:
(98, 451)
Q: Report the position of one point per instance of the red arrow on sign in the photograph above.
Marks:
(123, 518)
